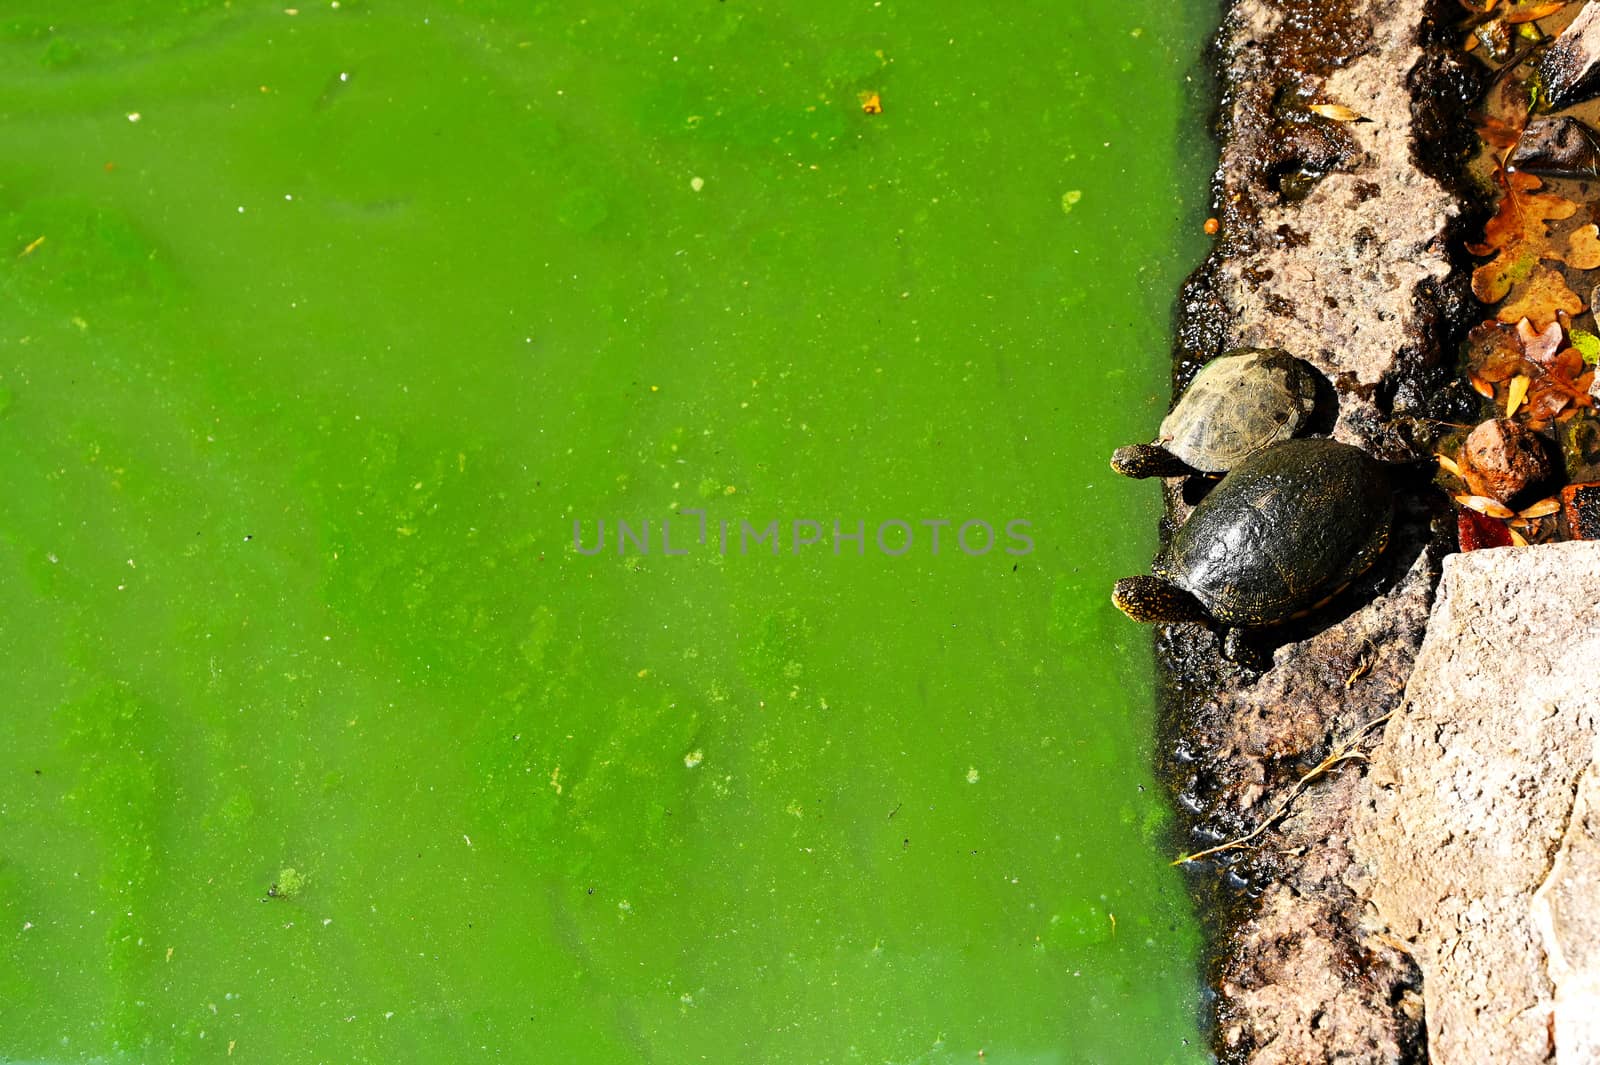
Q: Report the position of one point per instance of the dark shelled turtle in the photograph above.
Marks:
(1281, 534)
(1236, 405)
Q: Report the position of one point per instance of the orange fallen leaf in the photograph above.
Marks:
(1541, 508)
(1499, 133)
(872, 104)
(1539, 296)
(1558, 383)
(1517, 236)
(1583, 248)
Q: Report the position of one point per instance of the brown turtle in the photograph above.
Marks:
(1236, 405)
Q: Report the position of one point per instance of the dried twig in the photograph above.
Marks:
(1364, 662)
(1345, 752)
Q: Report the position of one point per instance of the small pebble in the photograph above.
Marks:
(1502, 460)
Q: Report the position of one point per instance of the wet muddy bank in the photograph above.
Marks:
(1339, 241)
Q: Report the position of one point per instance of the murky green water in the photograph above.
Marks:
(318, 331)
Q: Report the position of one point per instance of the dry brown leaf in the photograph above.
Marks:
(1498, 133)
(1542, 379)
(1336, 112)
(1559, 383)
(1539, 297)
(1583, 248)
(1494, 351)
(1517, 236)
(1539, 347)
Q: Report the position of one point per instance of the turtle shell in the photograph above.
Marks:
(1282, 532)
(1238, 404)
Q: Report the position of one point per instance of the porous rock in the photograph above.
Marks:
(1477, 831)
(1303, 973)
(1331, 272)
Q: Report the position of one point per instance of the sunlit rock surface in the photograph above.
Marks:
(1479, 823)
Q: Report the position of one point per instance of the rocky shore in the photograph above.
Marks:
(1393, 804)
(1339, 242)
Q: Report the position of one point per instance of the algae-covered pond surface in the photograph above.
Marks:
(320, 327)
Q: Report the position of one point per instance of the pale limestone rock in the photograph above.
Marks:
(1473, 806)
(1566, 911)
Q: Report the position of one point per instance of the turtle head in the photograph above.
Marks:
(1155, 600)
(1148, 460)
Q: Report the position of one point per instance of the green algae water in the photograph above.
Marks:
(322, 738)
